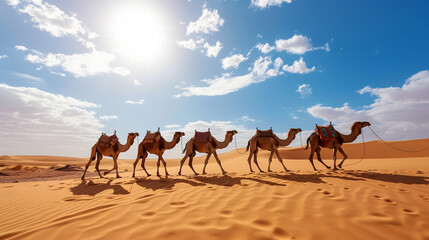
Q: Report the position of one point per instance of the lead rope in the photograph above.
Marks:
(396, 147)
(300, 138)
(237, 148)
(364, 152)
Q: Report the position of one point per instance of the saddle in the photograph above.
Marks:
(327, 134)
(107, 141)
(264, 133)
(152, 137)
(203, 137)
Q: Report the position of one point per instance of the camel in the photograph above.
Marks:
(271, 144)
(336, 144)
(110, 151)
(209, 148)
(158, 149)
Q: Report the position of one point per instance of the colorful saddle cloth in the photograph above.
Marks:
(203, 137)
(152, 137)
(326, 133)
(107, 141)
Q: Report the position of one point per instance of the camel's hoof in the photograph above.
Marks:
(196, 174)
(287, 170)
(335, 168)
(251, 171)
(269, 170)
(118, 176)
(180, 174)
(158, 175)
(224, 172)
(328, 167)
(204, 173)
(82, 178)
(261, 171)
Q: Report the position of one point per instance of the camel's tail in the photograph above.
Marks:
(248, 146)
(184, 150)
(308, 140)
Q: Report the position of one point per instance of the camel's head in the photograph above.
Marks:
(181, 134)
(133, 135)
(233, 132)
(363, 124)
(295, 130)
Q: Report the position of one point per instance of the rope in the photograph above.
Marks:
(181, 144)
(364, 152)
(390, 145)
(300, 138)
(237, 148)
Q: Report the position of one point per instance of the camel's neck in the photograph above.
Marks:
(355, 132)
(224, 144)
(124, 148)
(288, 140)
(172, 144)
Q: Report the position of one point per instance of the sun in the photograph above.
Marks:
(138, 33)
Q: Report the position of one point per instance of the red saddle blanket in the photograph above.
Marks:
(152, 137)
(203, 137)
(107, 141)
(326, 133)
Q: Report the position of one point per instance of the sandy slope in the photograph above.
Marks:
(379, 198)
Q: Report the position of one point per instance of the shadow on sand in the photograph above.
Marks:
(389, 177)
(88, 187)
(229, 181)
(164, 183)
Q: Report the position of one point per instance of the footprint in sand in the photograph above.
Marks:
(262, 223)
(409, 211)
(403, 190)
(7, 186)
(389, 201)
(178, 204)
(225, 213)
(148, 214)
(280, 233)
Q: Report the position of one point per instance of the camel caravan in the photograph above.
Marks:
(204, 142)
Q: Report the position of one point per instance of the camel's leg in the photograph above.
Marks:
(311, 159)
(280, 159)
(320, 158)
(249, 159)
(345, 157)
(99, 157)
(191, 159)
(91, 158)
(205, 162)
(218, 162)
(335, 159)
(144, 161)
(86, 168)
(139, 155)
(165, 165)
(115, 161)
(182, 162)
(255, 160)
(157, 166)
(270, 159)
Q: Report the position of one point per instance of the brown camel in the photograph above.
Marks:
(158, 149)
(210, 148)
(271, 144)
(110, 151)
(316, 143)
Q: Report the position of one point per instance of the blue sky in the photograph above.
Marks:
(72, 69)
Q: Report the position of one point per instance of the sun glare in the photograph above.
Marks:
(138, 33)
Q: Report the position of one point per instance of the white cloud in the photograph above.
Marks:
(226, 84)
(191, 43)
(50, 18)
(36, 122)
(137, 83)
(29, 77)
(209, 21)
(213, 50)
(298, 67)
(108, 117)
(264, 48)
(3, 56)
(233, 61)
(397, 113)
(246, 119)
(21, 48)
(278, 63)
(297, 44)
(268, 3)
(58, 73)
(80, 65)
(304, 90)
(141, 101)
(172, 126)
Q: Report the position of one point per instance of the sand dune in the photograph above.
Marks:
(379, 198)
